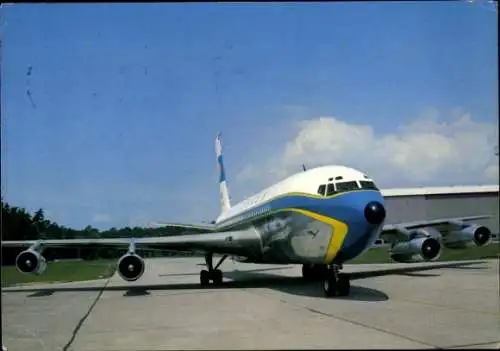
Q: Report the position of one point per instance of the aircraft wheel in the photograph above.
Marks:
(329, 284)
(343, 285)
(204, 278)
(308, 272)
(217, 277)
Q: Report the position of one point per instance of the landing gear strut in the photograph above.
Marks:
(211, 273)
(335, 283)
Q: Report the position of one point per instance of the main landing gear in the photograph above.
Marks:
(333, 282)
(211, 274)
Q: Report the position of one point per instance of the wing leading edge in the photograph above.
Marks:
(239, 243)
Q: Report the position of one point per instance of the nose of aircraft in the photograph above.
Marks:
(375, 212)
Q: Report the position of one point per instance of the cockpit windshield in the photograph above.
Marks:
(330, 190)
(321, 189)
(347, 186)
(342, 187)
(366, 184)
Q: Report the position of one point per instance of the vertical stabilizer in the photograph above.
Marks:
(224, 192)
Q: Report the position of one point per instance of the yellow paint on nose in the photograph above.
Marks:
(338, 233)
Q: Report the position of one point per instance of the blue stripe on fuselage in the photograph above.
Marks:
(346, 207)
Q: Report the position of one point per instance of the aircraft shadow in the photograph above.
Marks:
(297, 286)
(255, 279)
(243, 280)
(197, 273)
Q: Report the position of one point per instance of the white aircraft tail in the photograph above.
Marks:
(225, 203)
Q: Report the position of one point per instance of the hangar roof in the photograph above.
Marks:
(461, 189)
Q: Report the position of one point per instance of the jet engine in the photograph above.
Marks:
(31, 262)
(416, 250)
(130, 267)
(473, 235)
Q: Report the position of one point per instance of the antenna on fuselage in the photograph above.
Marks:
(304, 167)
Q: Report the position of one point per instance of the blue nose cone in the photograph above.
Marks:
(375, 212)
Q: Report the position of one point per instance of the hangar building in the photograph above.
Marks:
(413, 204)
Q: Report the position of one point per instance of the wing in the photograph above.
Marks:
(236, 242)
(424, 240)
(403, 231)
(178, 228)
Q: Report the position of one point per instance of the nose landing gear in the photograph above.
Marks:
(333, 282)
(336, 283)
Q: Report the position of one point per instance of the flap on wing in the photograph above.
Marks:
(400, 231)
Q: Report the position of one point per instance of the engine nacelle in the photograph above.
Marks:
(473, 235)
(130, 267)
(416, 250)
(31, 262)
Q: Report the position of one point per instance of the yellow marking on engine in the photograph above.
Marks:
(338, 234)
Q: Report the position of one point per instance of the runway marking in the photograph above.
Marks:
(84, 318)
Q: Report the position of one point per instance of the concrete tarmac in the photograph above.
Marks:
(259, 307)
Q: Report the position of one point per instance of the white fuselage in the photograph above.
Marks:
(314, 216)
(306, 182)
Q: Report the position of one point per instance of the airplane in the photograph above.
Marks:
(319, 218)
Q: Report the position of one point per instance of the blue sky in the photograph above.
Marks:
(127, 98)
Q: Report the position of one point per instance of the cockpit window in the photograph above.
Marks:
(321, 189)
(347, 186)
(366, 184)
(330, 190)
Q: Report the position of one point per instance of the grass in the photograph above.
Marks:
(380, 254)
(62, 271)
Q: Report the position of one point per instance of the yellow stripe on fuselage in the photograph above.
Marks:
(339, 232)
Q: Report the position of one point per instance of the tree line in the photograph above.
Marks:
(18, 224)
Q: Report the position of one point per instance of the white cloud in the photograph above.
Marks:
(427, 151)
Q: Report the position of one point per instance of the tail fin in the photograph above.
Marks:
(224, 192)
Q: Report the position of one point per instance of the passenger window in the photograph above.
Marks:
(321, 189)
(330, 190)
(366, 184)
(347, 186)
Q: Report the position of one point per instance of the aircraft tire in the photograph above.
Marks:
(329, 285)
(204, 278)
(307, 272)
(343, 285)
